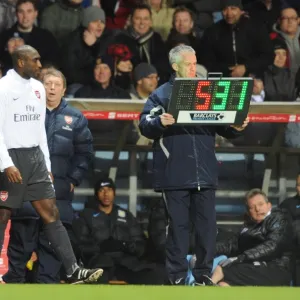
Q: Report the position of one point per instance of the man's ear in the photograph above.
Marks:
(175, 67)
(21, 63)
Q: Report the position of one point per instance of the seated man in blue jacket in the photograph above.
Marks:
(185, 170)
(71, 149)
(261, 254)
(110, 237)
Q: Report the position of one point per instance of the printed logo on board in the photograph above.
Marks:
(207, 116)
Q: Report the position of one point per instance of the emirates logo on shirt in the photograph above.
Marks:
(3, 195)
(37, 93)
(68, 120)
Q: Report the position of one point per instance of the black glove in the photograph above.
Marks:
(112, 245)
(231, 261)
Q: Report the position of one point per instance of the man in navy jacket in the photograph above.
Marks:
(71, 149)
(185, 170)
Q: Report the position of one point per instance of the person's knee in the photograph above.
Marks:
(5, 214)
(51, 214)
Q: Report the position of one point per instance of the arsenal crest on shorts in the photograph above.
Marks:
(3, 195)
(68, 120)
(37, 93)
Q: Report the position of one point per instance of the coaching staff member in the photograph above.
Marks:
(185, 169)
(70, 147)
(24, 157)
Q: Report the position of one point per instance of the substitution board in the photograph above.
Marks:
(210, 101)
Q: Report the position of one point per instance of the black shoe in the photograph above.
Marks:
(82, 275)
(205, 280)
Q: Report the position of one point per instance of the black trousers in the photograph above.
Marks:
(199, 207)
(27, 236)
(153, 274)
(248, 274)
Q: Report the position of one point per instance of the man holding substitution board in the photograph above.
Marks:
(185, 167)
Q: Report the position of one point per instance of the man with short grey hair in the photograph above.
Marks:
(185, 171)
(260, 255)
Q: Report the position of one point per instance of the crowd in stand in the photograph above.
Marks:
(118, 49)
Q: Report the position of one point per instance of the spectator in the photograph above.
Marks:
(145, 44)
(145, 79)
(264, 11)
(110, 236)
(185, 169)
(288, 29)
(279, 81)
(61, 18)
(204, 12)
(70, 147)
(183, 24)
(41, 39)
(84, 45)
(260, 255)
(162, 16)
(122, 60)
(103, 86)
(236, 46)
(7, 14)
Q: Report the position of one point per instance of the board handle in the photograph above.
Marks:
(216, 75)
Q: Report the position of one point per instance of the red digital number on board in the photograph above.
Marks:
(201, 95)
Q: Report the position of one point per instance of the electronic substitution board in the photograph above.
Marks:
(210, 101)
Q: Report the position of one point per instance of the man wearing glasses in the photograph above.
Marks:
(288, 29)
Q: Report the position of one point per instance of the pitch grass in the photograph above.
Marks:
(130, 292)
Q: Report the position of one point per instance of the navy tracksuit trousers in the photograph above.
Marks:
(198, 207)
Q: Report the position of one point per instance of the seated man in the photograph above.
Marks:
(110, 236)
(260, 255)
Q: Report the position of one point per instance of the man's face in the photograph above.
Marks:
(186, 67)
(280, 58)
(258, 208)
(96, 27)
(31, 65)
(141, 21)
(55, 89)
(183, 22)
(298, 185)
(232, 14)
(106, 196)
(148, 84)
(102, 73)
(289, 21)
(26, 15)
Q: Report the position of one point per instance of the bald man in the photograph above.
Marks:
(24, 158)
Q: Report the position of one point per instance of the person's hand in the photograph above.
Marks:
(231, 260)
(166, 119)
(257, 87)
(89, 38)
(241, 127)
(72, 187)
(13, 175)
(14, 43)
(51, 177)
(238, 71)
(125, 66)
